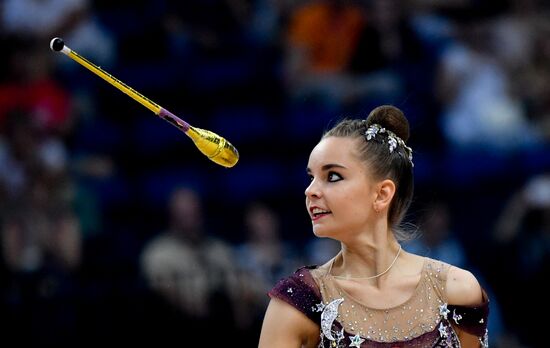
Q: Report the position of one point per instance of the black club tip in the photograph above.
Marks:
(57, 44)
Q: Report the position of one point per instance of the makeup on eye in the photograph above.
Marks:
(327, 168)
(331, 177)
(334, 177)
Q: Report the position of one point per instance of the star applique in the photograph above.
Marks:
(289, 290)
(485, 340)
(456, 317)
(443, 311)
(442, 330)
(318, 307)
(340, 335)
(356, 341)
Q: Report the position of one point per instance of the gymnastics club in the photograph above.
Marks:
(209, 143)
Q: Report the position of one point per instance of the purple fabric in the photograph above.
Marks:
(429, 339)
(301, 291)
(474, 319)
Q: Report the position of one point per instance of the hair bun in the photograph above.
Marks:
(391, 118)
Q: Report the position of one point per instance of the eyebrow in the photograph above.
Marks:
(327, 167)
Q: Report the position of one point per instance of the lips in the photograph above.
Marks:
(317, 213)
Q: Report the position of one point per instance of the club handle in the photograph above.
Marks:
(129, 91)
(209, 143)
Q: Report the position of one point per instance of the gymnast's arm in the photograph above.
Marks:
(463, 289)
(286, 327)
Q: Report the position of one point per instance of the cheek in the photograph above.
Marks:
(357, 213)
(356, 207)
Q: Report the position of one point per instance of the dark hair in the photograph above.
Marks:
(395, 165)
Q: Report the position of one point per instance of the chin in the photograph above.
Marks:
(321, 232)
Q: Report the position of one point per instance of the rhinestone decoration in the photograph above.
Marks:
(318, 307)
(356, 341)
(443, 311)
(393, 140)
(423, 320)
(442, 330)
(456, 317)
(328, 316)
(485, 340)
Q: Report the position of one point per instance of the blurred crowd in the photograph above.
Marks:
(115, 229)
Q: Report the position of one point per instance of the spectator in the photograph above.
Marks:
(192, 270)
(321, 40)
(263, 257)
(474, 88)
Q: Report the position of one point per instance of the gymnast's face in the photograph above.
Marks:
(340, 197)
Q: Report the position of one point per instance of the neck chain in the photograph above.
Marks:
(371, 277)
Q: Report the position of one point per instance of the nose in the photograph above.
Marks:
(313, 190)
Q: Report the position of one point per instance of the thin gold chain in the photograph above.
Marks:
(371, 277)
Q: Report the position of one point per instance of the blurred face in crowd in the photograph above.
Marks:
(185, 211)
(340, 196)
(262, 223)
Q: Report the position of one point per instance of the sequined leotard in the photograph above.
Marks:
(424, 320)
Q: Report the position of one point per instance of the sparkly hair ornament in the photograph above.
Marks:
(393, 140)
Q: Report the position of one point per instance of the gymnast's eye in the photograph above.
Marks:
(334, 177)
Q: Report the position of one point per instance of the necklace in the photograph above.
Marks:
(371, 277)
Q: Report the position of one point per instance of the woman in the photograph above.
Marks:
(372, 293)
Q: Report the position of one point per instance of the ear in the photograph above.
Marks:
(384, 194)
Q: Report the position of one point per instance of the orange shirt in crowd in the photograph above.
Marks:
(329, 35)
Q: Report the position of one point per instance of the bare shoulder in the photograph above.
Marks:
(285, 326)
(463, 288)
